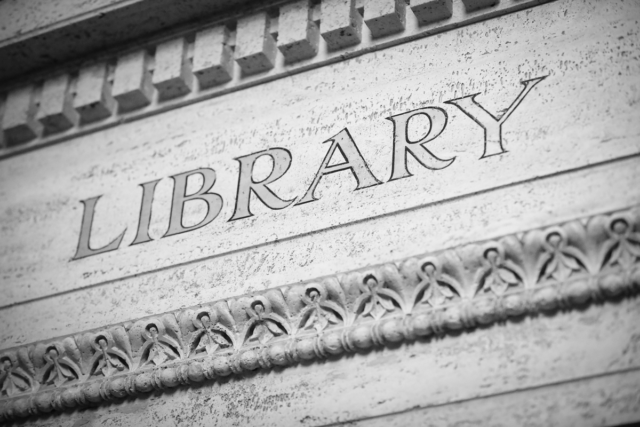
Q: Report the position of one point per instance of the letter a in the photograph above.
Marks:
(354, 163)
(492, 126)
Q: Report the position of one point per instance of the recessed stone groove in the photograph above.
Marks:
(545, 385)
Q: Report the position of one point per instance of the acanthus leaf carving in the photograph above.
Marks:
(499, 271)
(622, 248)
(319, 311)
(156, 341)
(106, 353)
(17, 374)
(431, 285)
(380, 292)
(561, 256)
(205, 331)
(58, 363)
(263, 318)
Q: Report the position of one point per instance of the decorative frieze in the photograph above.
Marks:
(200, 64)
(544, 270)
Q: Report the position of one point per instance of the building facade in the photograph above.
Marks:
(334, 212)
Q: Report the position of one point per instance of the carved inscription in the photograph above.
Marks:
(344, 145)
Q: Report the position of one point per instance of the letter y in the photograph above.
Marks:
(492, 125)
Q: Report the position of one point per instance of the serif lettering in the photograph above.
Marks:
(354, 165)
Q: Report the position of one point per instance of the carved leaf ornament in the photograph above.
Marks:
(498, 274)
(623, 248)
(319, 313)
(558, 267)
(435, 288)
(17, 374)
(209, 337)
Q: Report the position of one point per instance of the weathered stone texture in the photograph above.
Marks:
(610, 400)
(570, 151)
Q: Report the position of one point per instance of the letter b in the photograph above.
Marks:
(213, 200)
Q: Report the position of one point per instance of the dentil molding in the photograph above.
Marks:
(226, 55)
(561, 267)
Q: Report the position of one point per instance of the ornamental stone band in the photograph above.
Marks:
(587, 261)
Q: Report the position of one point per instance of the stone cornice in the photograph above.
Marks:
(544, 270)
(218, 58)
(54, 35)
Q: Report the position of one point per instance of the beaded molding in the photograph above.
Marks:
(227, 57)
(543, 270)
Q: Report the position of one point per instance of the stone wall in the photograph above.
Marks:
(329, 213)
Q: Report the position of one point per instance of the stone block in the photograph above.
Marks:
(341, 24)
(132, 86)
(56, 112)
(93, 100)
(428, 11)
(255, 47)
(212, 57)
(384, 17)
(18, 122)
(172, 74)
(473, 5)
(298, 35)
